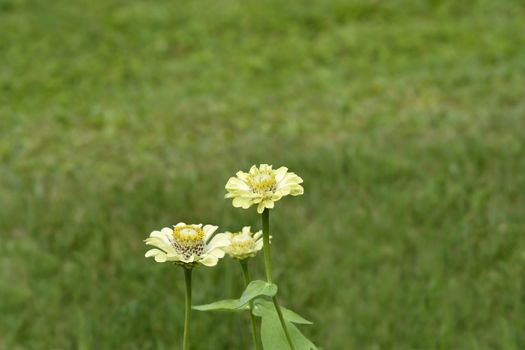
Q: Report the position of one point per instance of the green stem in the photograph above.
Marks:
(186, 340)
(246, 274)
(268, 267)
(266, 244)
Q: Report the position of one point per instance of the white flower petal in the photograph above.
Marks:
(280, 173)
(269, 204)
(217, 252)
(265, 167)
(173, 256)
(278, 195)
(166, 231)
(208, 260)
(159, 243)
(157, 254)
(297, 191)
(241, 202)
(242, 175)
(160, 258)
(208, 231)
(161, 235)
(260, 208)
(220, 240)
(235, 183)
(153, 252)
(187, 260)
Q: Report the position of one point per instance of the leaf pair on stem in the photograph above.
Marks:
(272, 334)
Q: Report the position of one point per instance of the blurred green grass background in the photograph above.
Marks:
(406, 120)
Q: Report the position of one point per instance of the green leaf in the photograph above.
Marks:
(298, 338)
(273, 336)
(222, 305)
(288, 314)
(256, 289)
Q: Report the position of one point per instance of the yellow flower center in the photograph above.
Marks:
(242, 243)
(241, 246)
(188, 240)
(262, 181)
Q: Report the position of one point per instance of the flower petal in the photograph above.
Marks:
(260, 207)
(209, 260)
(235, 183)
(187, 260)
(158, 255)
(173, 256)
(167, 231)
(217, 252)
(159, 243)
(241, 202)
(269, 203)
(297, 190)
(220, 240)
(152, 252)
(164, 235)
(280, 173)
(242, 175)
(208, 231)
(265, 167)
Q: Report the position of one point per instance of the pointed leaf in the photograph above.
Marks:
(298, 338)
(256, 289)
(222, 305)
(288, 314)
(273, 336)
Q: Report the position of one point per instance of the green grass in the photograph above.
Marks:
(406, 120)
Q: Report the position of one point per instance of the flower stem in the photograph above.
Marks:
(186, 340)
(246, 274)
(268, 267)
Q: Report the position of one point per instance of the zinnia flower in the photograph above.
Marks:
(262, 186)
(187, 245)
(244, 244)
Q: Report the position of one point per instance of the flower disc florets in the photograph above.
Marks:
(187, 245)
(244, 244)
(188, 240)
(262, 182)
(262, 186)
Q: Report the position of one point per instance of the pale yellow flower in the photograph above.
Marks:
(262, 186)
(244, 244)
(187, 245)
